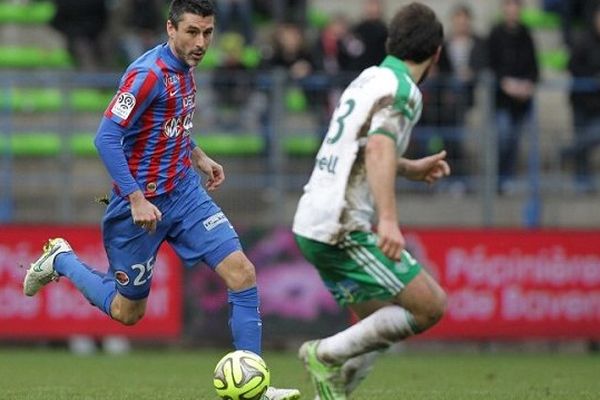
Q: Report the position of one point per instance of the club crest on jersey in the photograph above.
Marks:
(124, 105)
(121, 278)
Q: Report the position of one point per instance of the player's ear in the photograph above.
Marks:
(436, 56)
(171, 28)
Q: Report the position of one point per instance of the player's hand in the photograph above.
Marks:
(213, 170)
(428, 169)
(145, 214)
(391, 242)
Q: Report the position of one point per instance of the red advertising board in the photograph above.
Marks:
(501, 284)
(59, 310)
(514, 284)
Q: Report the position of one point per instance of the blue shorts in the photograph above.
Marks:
(191, 223)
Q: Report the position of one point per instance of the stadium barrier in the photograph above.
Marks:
(276, 123)
(501, 285)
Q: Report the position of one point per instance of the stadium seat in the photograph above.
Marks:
(90, 100)
(295, 100)
(211, 60)
(317, 19)
(251, 57)
(34, 100)
(554, 59)
(33, 57)
(32, 144)
(82, 145)
(536, 18)
(225, 144)
(43, 144)
(51, 100)
(301, 145)
(27, 13)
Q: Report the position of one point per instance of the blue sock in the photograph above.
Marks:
(244, 319)
(98, 288)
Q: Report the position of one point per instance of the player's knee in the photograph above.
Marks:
(432, 311)
(238, 272)
(126, 317)
(243, 277)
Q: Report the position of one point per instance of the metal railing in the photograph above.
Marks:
(288, 118)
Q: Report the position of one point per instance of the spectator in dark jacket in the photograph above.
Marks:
(512, 58)
(461, 61)
(584, 66)
(82, 22)
(372, 32)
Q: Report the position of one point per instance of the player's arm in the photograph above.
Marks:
(213, 170)
(108, 144)
(137, 90)
(380, 161)
(427, 169)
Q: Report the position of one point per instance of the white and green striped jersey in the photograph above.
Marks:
(337, 199)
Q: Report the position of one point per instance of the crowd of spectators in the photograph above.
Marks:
(281, 35)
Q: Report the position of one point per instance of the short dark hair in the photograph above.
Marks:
(462, 9)
(415, 33)
(205, 8)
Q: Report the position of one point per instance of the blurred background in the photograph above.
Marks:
(513, 235)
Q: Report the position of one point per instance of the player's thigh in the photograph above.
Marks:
(202, 233)
(131, 250)
(356, 271)
(237, 271)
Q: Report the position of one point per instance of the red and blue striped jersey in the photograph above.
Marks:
(155, 105)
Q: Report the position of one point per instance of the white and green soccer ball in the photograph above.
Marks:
(241, 375)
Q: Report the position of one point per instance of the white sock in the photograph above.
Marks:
(378, 331)
(356, 369)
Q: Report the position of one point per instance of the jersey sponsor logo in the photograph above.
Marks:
(124, 105)
(173, 92)
(188, 101)
(181, 125)
(327, 163)
(122, 278)
(214, 220)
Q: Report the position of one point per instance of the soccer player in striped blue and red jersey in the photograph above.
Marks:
(144, 141)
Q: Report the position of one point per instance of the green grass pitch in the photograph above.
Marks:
(56, 375)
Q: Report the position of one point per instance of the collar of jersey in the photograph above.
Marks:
(398, 67)
(172, 60)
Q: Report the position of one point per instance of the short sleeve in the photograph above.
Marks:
(386, 121)
(137, 89)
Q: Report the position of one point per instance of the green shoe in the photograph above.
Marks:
(327, 378)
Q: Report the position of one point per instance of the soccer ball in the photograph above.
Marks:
(241, 375)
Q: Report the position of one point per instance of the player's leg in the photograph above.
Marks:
(378, 290)
(242, 295)
(415, 309)
(206, 235)
(98, 288)
(120, 292)
(245, 322)
(201, 232)
(424, 299)
(59, 260)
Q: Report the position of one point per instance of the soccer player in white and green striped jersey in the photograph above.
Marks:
(353, 185)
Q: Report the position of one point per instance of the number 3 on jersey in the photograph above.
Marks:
(350, 103)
